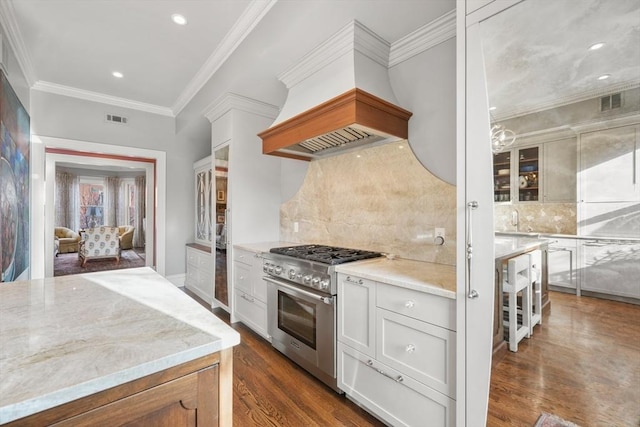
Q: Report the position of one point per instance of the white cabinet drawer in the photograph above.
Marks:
(395, 398)
(242, 277)
(429, 308)
(419, 349)
(251, 311)
(192, 257)
(244, 256)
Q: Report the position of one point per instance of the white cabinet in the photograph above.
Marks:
(516, 175)
(560, 167)
(199, 277)
(610, 267)
(249, 290)
(204, 222)
(562, 263)
(609, 165)
(396, 351)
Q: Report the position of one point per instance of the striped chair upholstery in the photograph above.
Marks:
(99, 242)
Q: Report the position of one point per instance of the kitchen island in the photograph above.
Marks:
(507, 247)
(115, 347)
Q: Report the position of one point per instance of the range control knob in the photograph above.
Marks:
(307, 279)
(264, 267)
(270, 266)
(292, 274)
(315, 282)
(324, 284)
(278, 270)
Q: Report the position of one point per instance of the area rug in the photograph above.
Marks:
(549, 420)
(65, 264)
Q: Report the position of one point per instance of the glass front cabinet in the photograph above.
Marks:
(516, 175)
(204, 211)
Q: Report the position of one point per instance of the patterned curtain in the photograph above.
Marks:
(138, 234)
(112, 214)
(66, 204)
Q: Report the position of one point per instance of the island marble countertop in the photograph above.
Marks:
(68, 337)
(509, 246)
(437, 279)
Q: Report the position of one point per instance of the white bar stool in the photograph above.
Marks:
(518, 280)
(535, 264)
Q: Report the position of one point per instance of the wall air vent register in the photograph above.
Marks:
(112, 118)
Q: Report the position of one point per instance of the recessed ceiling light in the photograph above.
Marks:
(117, 74)
(604, 77)
(492, 108)
(596, 46)
(179, 19)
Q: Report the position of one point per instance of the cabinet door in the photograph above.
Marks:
(395, 398)
(356, 313)
(421, 350)
(610, 267)
(528, 174)
(609, 165)
(242, 277)
(560, 159)
(502, 177)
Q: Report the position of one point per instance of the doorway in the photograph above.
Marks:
(52, 150)
(221, 285)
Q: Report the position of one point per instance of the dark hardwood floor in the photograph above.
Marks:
(582, 364)
(270, 390)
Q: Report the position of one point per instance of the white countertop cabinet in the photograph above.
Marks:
(396, 351)
(199, 275)
(250, 291)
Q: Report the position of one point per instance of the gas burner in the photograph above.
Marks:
(325, 254)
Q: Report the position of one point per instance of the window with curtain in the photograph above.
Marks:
(91, 202)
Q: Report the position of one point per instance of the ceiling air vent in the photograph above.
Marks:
(610, 102)
(112, 118)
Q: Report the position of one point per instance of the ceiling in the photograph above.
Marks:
(71, 47)
(537, 53)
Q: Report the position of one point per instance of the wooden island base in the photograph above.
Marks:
(196, 393)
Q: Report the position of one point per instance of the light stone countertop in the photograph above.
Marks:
(69, 337)
(263, 247)
(436, 279)
(509, 246)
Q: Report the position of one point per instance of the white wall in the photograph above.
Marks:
(69, 118)
(426, 85)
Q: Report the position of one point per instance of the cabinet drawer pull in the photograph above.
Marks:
(359, 281)
(409, 304)
(410, 348)
(398, 379)
(243, 296)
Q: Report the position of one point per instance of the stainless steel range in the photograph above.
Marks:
(302, 301)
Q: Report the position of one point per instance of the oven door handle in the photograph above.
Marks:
(325, 299)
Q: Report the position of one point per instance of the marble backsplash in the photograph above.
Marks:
(553, 218)
(379, 199)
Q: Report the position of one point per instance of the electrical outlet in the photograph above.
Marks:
(439, 232)
(296, 227)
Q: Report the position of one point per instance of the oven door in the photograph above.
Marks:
(301, 323)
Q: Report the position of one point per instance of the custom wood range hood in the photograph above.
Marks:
(347, 121)
(340, 98)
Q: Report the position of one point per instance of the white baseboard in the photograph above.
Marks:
(177, 279)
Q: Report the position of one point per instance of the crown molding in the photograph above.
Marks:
(101, 98)
(353, 36)
(251, 16)
(232, 101)
(566, 100)
(16, 42)
(435, 32)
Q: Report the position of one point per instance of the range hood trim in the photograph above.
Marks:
(354, 108)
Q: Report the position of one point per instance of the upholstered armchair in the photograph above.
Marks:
(125, 232)
(67, 240)
(100, 242)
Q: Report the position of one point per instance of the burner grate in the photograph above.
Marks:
(325, 254)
